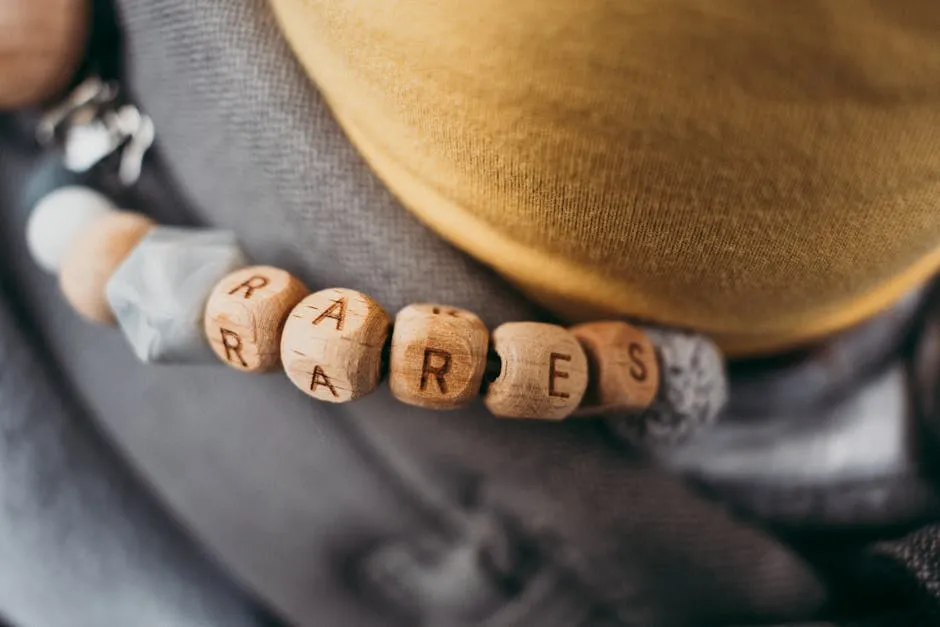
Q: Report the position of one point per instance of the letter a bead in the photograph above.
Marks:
(624, 368)
(245, 314)
(332, 344)
(543, 372)
(438, 356)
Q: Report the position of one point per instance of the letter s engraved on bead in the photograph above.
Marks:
(437, 370)
(336, 311)
(554, 373)
(253, 283)
(233, 346)
(638, 369)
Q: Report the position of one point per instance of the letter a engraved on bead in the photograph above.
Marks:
(438, 369)
(336, 311)
(555, 373)
(254, 283)
(233, 346)
(319, 378)
(638, 368)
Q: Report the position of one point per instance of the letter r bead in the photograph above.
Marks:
(438, 356)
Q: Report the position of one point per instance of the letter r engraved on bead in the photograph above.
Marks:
(437, 370)
(638, 368)
(554, 373)
(336, 311)
(233, 346)
(319, 378)
(253, 283)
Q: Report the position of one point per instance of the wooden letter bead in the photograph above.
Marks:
(245, 314)
(332, 344)
(42, 43)
(94, 255)
(543, 373)
(438, 356)
(623, 365)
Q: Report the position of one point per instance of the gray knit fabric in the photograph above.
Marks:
(81, 543)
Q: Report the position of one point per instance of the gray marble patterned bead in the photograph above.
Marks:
(693, 391)
(159, 293)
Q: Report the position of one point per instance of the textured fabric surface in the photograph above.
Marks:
(81, 542)
(732, 166)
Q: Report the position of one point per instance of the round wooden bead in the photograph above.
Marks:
(42, 43)
(245, 314)
(57, 218)
(543, 372)
(623, 366)
(332, 344)
(438, 356)
(94, 254)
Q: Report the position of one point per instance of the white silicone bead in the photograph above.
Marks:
(57, 218)
(159, 293)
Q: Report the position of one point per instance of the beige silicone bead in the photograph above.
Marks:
(93, 256)
(624, 368)
(543, 372)
(332, 344)
(438, 356)
(245, 314)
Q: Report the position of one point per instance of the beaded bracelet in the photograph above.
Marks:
(184, 295)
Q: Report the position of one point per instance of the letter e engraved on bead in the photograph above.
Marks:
(638, 367)
(555, 373)
(233, 346)
(253, 283)
(439, 369)
(319, 378)
(336, 311)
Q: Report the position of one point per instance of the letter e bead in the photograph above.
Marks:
(332, 345)
(543, 372)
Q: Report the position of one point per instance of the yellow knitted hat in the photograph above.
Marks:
(767, 172)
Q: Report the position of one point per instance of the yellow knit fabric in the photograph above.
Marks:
(765, 171)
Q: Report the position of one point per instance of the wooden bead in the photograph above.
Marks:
(438, 356)
(245, 314)
(93, 256)
(623, 366)
(42, 43)
(543, 372)
(332, 344)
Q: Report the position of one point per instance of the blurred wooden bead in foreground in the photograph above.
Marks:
(623, 366)
(42, 43)
(438, 356)
(93, 256)
(245, 314)
(332, 344)
(543, 372)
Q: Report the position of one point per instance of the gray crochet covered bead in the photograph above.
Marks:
(159, 293)
(693, 391)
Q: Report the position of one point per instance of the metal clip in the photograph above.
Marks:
(91, 129)
(82, 105)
